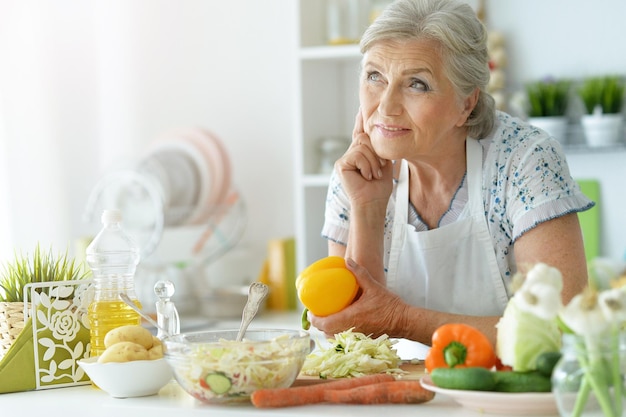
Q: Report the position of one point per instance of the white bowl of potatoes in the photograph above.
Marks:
(132, 364)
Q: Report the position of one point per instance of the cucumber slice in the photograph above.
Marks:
(218, 382)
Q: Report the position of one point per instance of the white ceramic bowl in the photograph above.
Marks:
(128, 379)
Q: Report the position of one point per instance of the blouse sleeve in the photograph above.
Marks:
(337, 212)
(539, 184)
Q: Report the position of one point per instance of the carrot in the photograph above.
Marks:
(310, 394)
(395, 392)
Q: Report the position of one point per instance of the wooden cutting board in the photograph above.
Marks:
(413, 371)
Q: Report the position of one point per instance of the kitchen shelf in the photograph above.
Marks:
(582, 148)
(576, 143)
(327, 81)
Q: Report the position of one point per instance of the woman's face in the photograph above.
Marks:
(409, 107)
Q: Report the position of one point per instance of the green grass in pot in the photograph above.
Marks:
(42, 267)
(548, 98)
(607, 93)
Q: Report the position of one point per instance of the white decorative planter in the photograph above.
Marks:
(555, 126)
(603, 129)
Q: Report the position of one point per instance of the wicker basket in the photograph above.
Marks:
(11, 324)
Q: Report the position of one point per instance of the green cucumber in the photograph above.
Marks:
(218, 383)
(483, 379)
(529, 381)
(547, 361)
(471, 378)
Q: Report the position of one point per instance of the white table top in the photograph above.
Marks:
(171, 401)
(86, 401)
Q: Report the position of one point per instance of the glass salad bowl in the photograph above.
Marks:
(214, 368)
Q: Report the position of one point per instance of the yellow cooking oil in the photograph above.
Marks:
(105, 315)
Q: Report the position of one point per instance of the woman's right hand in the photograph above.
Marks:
(375, 311)
(364, 176)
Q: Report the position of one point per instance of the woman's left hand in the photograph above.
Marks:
(376, 310)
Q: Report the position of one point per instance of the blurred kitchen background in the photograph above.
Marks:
(87, 87)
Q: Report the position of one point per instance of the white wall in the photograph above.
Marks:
(565, 38)
(87, 85)
(103, 78)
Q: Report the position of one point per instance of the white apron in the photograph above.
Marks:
(452, 268)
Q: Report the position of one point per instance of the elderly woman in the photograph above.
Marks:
(440, 198)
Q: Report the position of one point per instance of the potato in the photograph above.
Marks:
(156, 341)
(124, 352)
(156, 352)
(129, 333)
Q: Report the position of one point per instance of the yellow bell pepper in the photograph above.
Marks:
(326, 286)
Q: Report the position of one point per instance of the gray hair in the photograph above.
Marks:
(463, 39)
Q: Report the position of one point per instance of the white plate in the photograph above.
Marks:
(177, 172)
(217, 158)
(518, 403)
(409, 349)
(139, 198)
(177, 141)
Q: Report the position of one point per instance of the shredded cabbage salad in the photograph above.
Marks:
(249, 366)
(352, 354)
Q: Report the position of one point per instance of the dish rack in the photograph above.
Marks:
(178, 202)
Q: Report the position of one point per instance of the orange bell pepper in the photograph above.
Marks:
(459, 345)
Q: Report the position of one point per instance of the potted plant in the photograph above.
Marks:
(23, 270)
(603, 99)
(547, 103)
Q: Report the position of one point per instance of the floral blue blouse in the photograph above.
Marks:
(526, 181)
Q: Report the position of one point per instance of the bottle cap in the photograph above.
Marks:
(164, 290)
